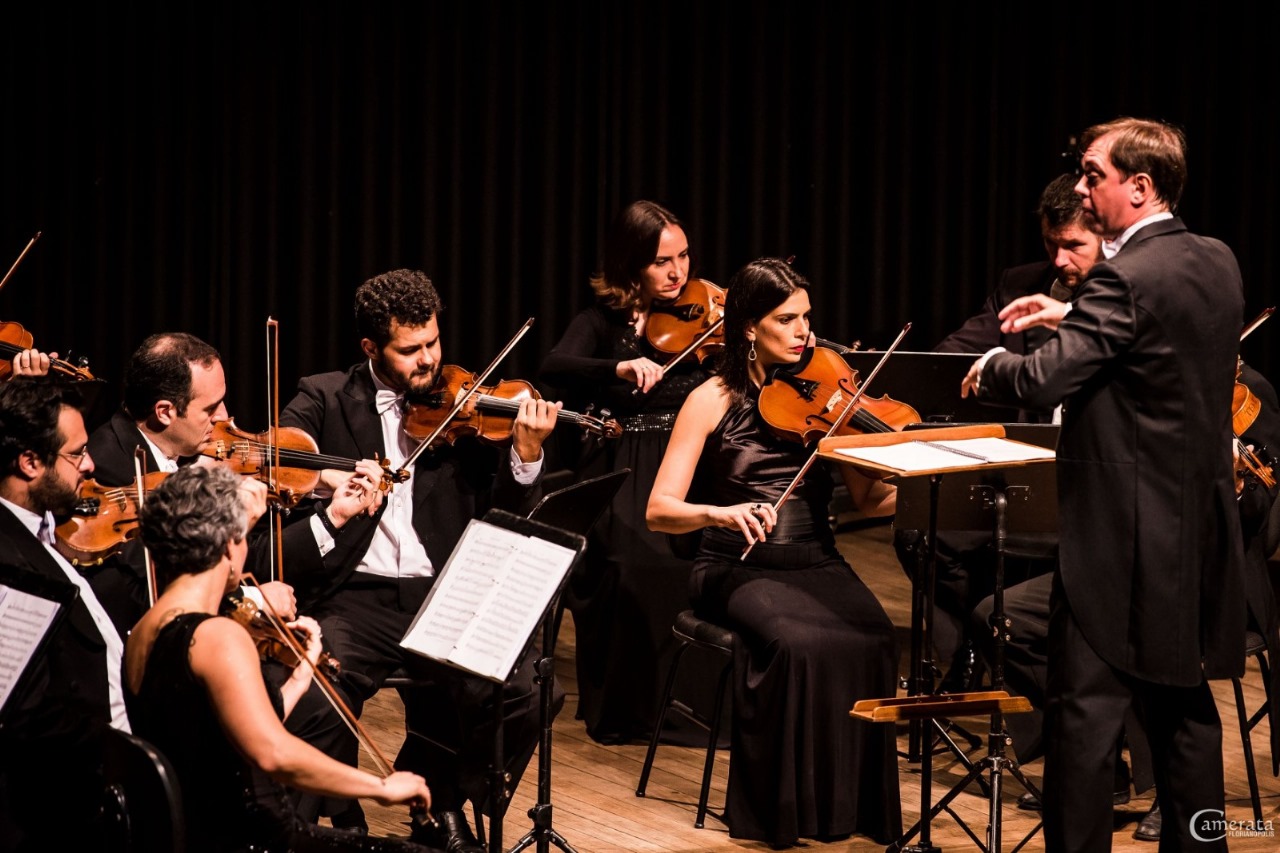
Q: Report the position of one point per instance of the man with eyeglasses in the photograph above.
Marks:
(50, 730)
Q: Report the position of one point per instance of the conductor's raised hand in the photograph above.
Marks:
(1027, 312)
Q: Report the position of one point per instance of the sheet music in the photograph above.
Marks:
(24, 620)
(925, 455)
(490, 597)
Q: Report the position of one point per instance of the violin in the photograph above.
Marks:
(488, 414)
(1245, 407)
(693, 323)
(14, 339)
(104, 519)
(696, 316)
(268, 638)
(420, 818)
(802, 402)
(300, 462)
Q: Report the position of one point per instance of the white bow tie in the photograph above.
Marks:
(386, 399)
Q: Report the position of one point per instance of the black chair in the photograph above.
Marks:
(142, 803)
(689, 631)
(1256, 648)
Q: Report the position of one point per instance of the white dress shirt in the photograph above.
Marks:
(395, 550)
(41, 528)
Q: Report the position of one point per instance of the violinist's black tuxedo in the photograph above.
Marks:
(451, 486)
(1149, 594)
(111, 446)
(50, 733)
(981, 332)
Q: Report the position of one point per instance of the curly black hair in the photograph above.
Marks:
(405, 296)
(30, 407)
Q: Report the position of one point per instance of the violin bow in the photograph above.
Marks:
(691, 348)
(463, 398)
(344, 712)
(835, 424)
(139, 459)
(1257, 321)
(21, 255)
(273, 424)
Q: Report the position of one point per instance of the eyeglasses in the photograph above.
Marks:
(77, 457)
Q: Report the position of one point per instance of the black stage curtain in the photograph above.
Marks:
(202, 166)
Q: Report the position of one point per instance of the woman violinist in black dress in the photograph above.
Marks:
(626, 597)
(194, 687)
(814, 637)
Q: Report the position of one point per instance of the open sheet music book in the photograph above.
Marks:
(488, 600)
(921, 454)
(30, 608)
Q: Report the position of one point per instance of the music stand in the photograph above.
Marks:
(574, 509)
(895, 454)
(484, 609)
(35, 607)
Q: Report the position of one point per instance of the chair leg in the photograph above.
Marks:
(1246, 741)
(663, 706)
(1265, 711)
(712, 740)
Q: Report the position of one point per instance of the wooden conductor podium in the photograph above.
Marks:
(935, 453)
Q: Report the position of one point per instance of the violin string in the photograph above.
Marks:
(862, 418)
(269, 450)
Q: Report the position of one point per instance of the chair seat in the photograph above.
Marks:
(690, 628)
(1254, 643)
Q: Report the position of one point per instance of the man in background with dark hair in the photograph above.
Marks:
(965, 562)
(174, 392)
(375, 574)
(174, 388)
(1148, 600)
(1072, 246)
(50, 731)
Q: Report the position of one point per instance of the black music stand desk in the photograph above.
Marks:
(933, 454)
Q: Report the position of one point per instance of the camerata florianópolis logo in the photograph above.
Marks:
(1212, 825)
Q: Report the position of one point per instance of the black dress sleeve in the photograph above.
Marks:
(582, 359)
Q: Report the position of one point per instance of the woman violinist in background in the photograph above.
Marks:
(194, 686)
(626, 597)
(814, 637)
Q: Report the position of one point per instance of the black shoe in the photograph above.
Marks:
(1149, 827)
(452, 834)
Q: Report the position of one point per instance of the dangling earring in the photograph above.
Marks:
(751, 356)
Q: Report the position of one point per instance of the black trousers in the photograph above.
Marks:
(449, 722)
(1087, 700)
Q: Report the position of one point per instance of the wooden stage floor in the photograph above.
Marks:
(593, 786)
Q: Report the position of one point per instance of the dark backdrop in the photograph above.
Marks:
(200, 166)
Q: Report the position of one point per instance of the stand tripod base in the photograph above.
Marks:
(542, 834)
